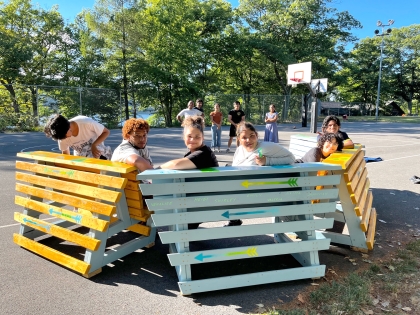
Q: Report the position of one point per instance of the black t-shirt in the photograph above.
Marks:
(344, 136)
(236, 115)
(313, 155)
(203, 158)
(200, 109)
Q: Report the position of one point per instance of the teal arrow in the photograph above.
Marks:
(227, 214)
(77, 218)
(45, 226)
(201, 257)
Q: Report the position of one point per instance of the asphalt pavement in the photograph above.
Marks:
(144, 282)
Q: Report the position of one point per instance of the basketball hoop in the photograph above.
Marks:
(296, 80)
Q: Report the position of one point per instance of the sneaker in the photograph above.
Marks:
(234, 223)
(227, 150)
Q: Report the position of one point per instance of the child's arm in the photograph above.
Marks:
(95, 152)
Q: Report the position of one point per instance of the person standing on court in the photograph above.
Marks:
(187, 112)
(216, 127)
(199, 106)
(271, 131)
(235, 116)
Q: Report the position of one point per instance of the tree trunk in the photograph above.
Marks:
(11, 90)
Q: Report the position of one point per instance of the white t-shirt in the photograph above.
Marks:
(274, 153)
(189, 112)
(125, 149)
(89, 131)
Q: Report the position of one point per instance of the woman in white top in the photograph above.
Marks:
(251, 151)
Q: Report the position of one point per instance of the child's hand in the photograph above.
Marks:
(95, 152)
(260, 160)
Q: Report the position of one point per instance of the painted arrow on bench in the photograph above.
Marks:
(45, 226)
(251, 252)
(228, 214)
(77, 218)
(292, 182)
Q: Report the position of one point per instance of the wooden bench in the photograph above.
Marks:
(99, 195)
(219, 194)
(355, 208)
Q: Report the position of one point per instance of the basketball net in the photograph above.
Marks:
(296, 80)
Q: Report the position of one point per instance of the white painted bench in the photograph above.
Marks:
(219, 194)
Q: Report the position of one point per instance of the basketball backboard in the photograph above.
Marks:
(299, 73)
(323, 83)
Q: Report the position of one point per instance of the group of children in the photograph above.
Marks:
(86, 136)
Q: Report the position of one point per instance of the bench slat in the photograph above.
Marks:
(361, 205)
(52, 254)
(133, 185)
(84, 190)
(58, 172)
(370, 238)
(235, 170)
(244, 230)
(57, 231)
(226, 185)
(91, 205)
(356, 166)
(363, 183)
(103, 165)
(239, 199)
(140, 229)
(245, 252)
(132, 194)
(352, 186)
(366, 213)
(78, 218)
(241, 213)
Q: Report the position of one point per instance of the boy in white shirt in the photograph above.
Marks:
(82, 134)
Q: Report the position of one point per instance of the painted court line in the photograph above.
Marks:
(37, 146)
(5, 226)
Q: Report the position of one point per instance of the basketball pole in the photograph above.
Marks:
(314, 108)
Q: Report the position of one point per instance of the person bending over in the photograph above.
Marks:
(251, 151)
(332, 124)
(327, 144)
(133, 149)
(82, 134)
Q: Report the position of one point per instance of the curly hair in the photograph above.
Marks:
(195, 122)
(57, 127)
(328, 137)
(134, 124)
(327, 121)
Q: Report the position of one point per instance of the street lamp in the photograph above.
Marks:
(384, 33)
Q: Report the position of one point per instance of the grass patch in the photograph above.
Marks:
(381, 287)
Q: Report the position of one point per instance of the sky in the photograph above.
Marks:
(367, 12)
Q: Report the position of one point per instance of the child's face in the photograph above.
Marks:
(193, 138)
(332, 127)
(329, 147)
(248, 139)
(138, 137)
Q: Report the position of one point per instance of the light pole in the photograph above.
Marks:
(387, 32)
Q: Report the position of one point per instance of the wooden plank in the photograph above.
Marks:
(52, 254)
(57, 231)
(249, 199)
(142, 219)
(361, 204)
(138, 212)
(363, 182)
(370, 238)
(131, 176)
(189, 287)
(133, 185)
(244, 230)
(102, 165)
(78, 168)
(355, 166)
(235, 171)
(140, 229)
(85, 220)
(226, 213)
(131, 194)
(58, 172)
(91, 205)
(229, 184)
(246, 252)
(366, 213)
(137, 204)
(352, 186)
(84, 190)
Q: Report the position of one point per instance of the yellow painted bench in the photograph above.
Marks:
(356, 200)
(76, 192)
